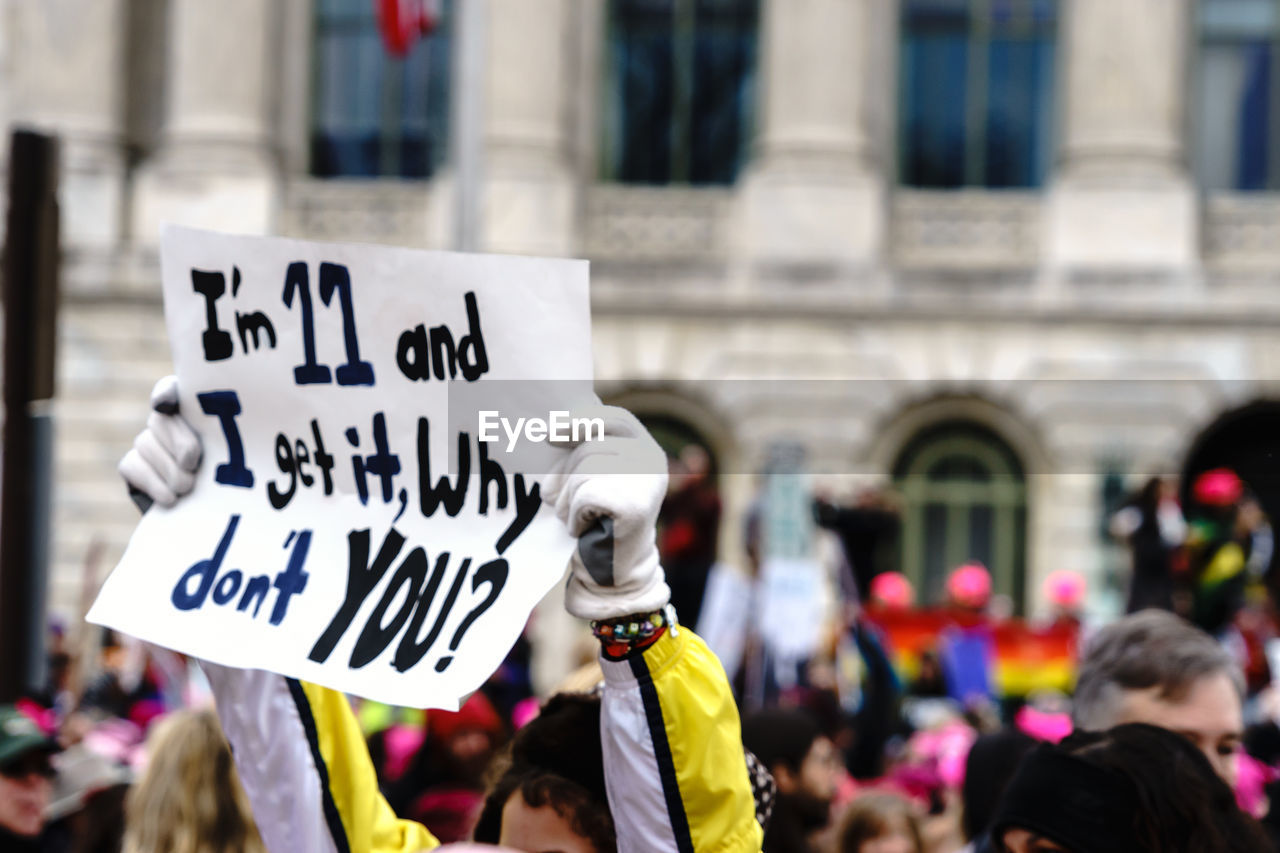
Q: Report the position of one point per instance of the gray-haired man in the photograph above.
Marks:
(1152, 667)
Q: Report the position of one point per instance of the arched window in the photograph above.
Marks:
(674, 434)
(375, 115)
(1238, 95)
(964, 498)
(680, 90)
(976, 84)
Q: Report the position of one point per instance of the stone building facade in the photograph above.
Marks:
(1105, 322)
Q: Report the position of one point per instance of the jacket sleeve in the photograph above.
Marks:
(305, 767)
(675, 770)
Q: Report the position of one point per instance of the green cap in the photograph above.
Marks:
(20, 735)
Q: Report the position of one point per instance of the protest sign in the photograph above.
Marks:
(349, 526)
(792, 597)
(725, 619)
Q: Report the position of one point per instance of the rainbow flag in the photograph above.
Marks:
(1025, 658)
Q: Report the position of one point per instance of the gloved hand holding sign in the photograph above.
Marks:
(606, 491)
(162, 465)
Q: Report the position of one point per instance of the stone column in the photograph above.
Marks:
(216, 164)
(1123, 194)
(815, 192)
(529, 194)
(68, 78)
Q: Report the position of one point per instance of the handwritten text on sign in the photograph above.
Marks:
(348, 525)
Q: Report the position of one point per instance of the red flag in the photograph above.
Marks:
(402, 22)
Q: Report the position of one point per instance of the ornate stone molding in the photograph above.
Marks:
(966, 229)
(1242, 232)
(393, 212)
(626, 223)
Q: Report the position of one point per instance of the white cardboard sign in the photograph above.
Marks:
(348, 527)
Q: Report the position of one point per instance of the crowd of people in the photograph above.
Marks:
(891, 739)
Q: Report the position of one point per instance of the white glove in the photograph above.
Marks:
(608, 492)
(162, 465)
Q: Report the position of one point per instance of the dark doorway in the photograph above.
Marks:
(1246, 440)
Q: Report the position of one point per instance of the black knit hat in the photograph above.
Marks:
(992, 762)
(1083, 807)
(780, 735)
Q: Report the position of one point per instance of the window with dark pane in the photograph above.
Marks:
(976, 104)
(679, 95)
(1237, 103)
(374, 114)
(963, 499)
(932, 579)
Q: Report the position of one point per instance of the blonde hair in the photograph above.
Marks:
(876, 814)
(189, 799)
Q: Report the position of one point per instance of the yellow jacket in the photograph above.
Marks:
(675, 774)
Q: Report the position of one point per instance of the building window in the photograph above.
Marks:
(964, 498)
(977, 92)
(1238, 87)
(680, 90)
(375, 115)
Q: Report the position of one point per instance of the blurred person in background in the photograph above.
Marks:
(443, 787)
(805, 766)
(929, 682)
(189, 798)
(1065, 591)
(118, 686)
(966, 647)
(1133, 789)
(88, 800)
(131, 685)
(1262, 749)
(1151, 524)
(1216, 556)
(688, 530)
(1152, 667)
(1253, 530)
(1254, 626)
(880, 823)
(879, 693)
(865, 528)
(969, 590)
(57, 693)
(990, 764)
(394, 736)
(891, 591)
(929, 770)
(26, 785)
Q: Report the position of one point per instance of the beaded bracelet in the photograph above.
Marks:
(634, 629)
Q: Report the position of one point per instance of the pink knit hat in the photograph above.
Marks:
(1065, 588)
(892, 590)
(1219, 487)
(970, 585)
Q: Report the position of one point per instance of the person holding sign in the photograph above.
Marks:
(669, 737)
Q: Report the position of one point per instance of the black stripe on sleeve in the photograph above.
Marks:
(662, 751)
(331, 816)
